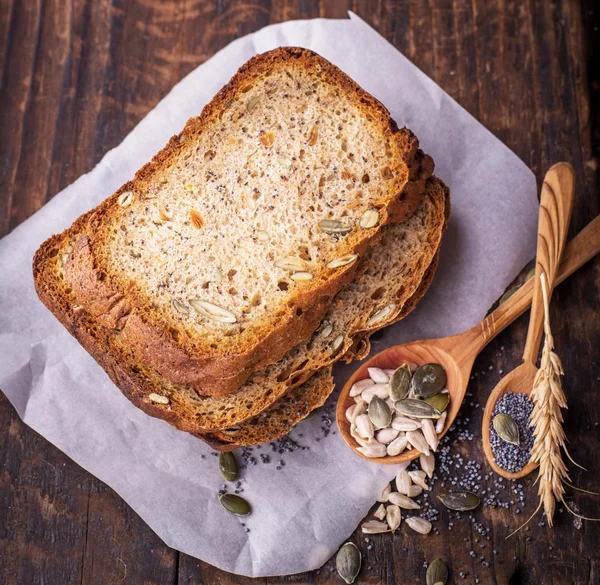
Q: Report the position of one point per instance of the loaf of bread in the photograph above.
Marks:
(226, 250)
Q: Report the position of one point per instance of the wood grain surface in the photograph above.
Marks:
(75, 78)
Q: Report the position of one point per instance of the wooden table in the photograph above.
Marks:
(77, 75)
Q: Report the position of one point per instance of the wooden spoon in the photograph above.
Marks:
(457, 353)
(556, 203)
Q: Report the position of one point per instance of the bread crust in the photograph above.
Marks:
(221, 370)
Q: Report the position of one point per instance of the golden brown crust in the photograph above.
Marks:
(221, 371)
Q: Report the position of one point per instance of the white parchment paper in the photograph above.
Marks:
(303, 511)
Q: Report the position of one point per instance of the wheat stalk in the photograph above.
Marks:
(546, 418)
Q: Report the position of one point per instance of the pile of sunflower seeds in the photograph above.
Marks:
(399, 409)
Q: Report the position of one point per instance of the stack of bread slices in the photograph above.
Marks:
(265, 242)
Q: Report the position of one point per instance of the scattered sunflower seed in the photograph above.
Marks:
(403, 501)
(380, 512)
(348, 562)
(393, 517)
(414, 491)
(418, 478)
(374, 527)
(419, 525)
(427, 463)
(385, 494)
(403, 482)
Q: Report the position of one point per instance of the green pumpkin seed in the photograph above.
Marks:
(437, 573)
(400, 383)
(235, 504)
(428, 380)
(348, 562)
(507, 429)
(438, 401)
(379, 412)
(228, 466)
(460, 501)
(416, 408)
(333, 226)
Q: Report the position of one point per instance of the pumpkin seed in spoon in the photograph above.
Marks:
(379, 413)
(416, 408)
(438, 401)
(400, 383)
(428, 380)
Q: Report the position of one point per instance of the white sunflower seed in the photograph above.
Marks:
(428, 464)
(413, 367)
(334, 227)
(327, 329)
(428, 430)
(403, 482)
(362, 442)
(373, 451)
(393, 516)
(381, 314)
(158, 398)
(369, 219)
(419, 525)
(364, 426)
(336, 344)
(397, 446)
(291, 264)
(379, 390)
(213, 312)
(378, 375)
(385, 494)
(439, 425)
(403, 501)
(301, 276)
(403, 423)
(342, 261)
(380, 512)
(414, 491)
(349, 412)
(180, 307)
(417, 440)
(388, 372)
(125, 199)
(374, 527)
(386, 436)
(359, 386)
(361, 408)
(418, 478)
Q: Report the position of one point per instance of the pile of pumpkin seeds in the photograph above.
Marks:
(398, 409)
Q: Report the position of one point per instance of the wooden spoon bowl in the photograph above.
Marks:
(419, 353)
(519, 381)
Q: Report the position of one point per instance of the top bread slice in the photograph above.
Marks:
(225, 251)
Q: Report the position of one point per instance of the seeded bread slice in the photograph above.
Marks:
(214, 261)
(297, 403)
(280, 418)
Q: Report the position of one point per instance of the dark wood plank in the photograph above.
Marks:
(75, 78)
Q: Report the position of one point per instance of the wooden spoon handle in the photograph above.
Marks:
(556, 203)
